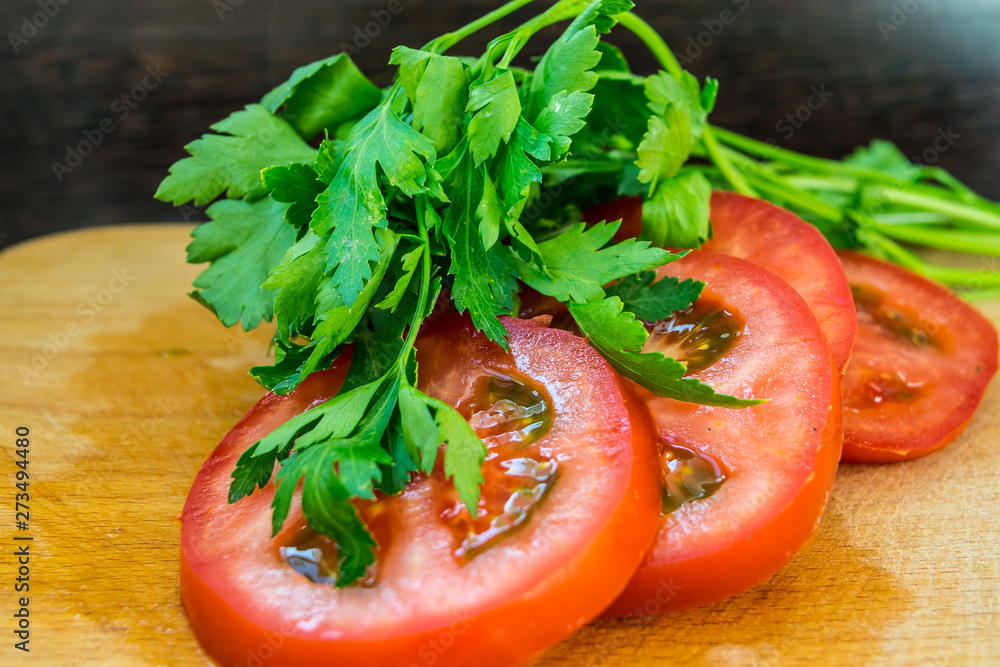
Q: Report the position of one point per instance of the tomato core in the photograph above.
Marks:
(687, 475)
(872, 309)
(510, 414)
(698, 335)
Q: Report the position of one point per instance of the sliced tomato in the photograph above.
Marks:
(784, 243)
(778, 240)
(922, 361)
(743, 489)
(570, 504)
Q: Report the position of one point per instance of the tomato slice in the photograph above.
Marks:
(782, 242)
(743, 490)
(570, 504)
(922, 361)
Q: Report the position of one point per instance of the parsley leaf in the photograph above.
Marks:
(619, 337)
(575, 267)
(323, 94)
(297, 279)
(231, 161)
(654, 301)
(496, 109)
(483, 283)
(438, 89)
(297, 184)
(353, 206)
(326, 502)
(677, 214)
(243, 242)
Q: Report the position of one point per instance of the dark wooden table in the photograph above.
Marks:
(907, 70)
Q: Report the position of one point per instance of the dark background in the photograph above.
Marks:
(939, 70)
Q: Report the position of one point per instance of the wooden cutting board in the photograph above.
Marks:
(126, 385)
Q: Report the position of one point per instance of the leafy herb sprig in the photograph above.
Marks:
(343, 211)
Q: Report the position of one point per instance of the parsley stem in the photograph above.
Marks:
(653, 42)
(425, 283)
(450, 39)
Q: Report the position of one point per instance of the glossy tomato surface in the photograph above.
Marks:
(744, 489)
(784, 243)
(552, 412)
(922, 361)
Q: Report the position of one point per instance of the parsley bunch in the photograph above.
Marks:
(342, 212)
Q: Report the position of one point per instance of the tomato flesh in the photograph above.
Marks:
(922, 361)
(557, 415)
(759, 478)
(782, 242)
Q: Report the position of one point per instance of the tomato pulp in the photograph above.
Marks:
(744, 489)
(922, 361)
(446, 590)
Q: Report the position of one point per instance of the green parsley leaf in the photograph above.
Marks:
(496, 109)
(654, 301)
(326, 503)
(464, 454)
(886, 157)
(243, 242)
(483, 283)
(296, 184)
(231, 161)
(677, 215)
(663, 90)
(410, 261)
(323, 94)
(618, 336)
(438, 89)
(297, 279)
(562, 117)
(575, 267)
(665, 147)
(353, 206)
(336, 318)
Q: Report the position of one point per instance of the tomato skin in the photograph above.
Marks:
(784, 243)
(543, 606)
(951, 372)
(755, 533)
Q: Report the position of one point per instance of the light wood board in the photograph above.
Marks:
(126, 385)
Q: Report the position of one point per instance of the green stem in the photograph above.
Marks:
(943, 239)
(937, 204)
(425, 283)
(450, 39)
(734, 177)
(653, 42)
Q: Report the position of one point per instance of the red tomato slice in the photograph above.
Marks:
(922, 361)
(444, 593)
(784, 243)
(743, 489)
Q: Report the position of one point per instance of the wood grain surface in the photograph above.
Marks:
(127, 385)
